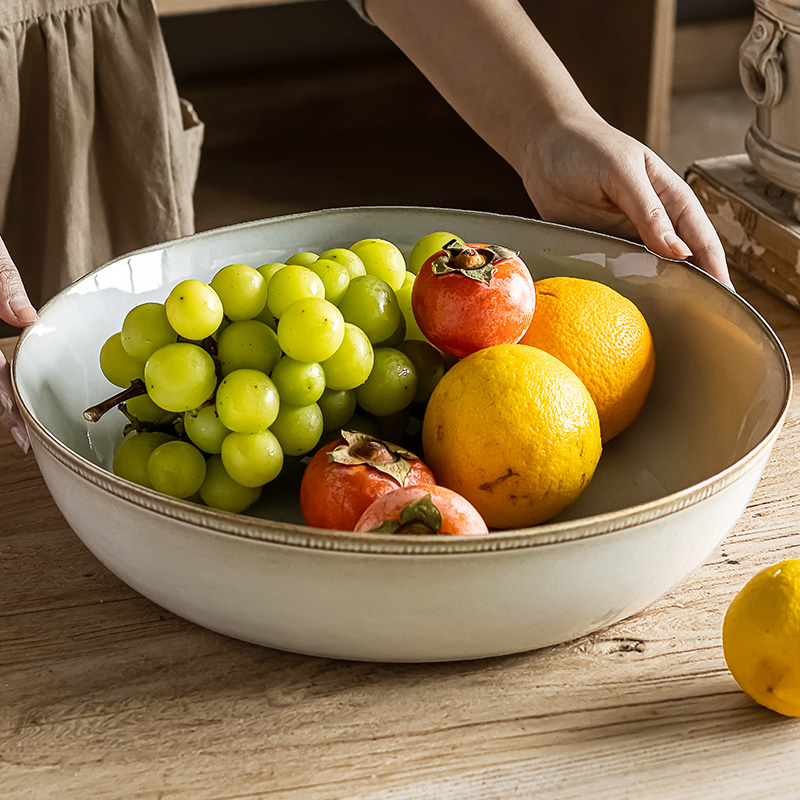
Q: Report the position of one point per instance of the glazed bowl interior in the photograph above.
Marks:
(721, 385)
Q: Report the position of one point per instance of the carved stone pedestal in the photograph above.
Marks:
(769, 63)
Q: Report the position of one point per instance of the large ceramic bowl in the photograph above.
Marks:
(666, 492)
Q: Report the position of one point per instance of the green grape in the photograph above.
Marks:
(371, 304)
(145, 329)
(242, 290)
(302, 259)
(267, 317)
(351, 364)
(269, 269)
(221, 491)
(252, 459)
(290, 284)
(180, 376)
(381, 259)
(426, 247)
(205, 429)
(429, 364)
(394, 427)
(404, 299)
(194, 309)
(299, 383)
(391, 385)
(248, 344)
(311, 329)
(397, 336)
(118, 367)
(298, 428)
(176, 468)
(347, 258)
(449, 360)
(218, 332)
(247, 401)
(132, 454)
(144, 409)
(335, 278)
(364, 424)
(337, 407)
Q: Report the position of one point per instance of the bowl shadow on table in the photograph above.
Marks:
(480, 715)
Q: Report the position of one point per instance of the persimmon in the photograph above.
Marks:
(470, 296)
(345, 476)
(422, 509)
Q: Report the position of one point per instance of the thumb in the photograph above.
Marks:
(15, 307)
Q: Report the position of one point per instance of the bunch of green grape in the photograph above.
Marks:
(226, 380)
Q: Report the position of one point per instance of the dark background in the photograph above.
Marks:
(306, 106)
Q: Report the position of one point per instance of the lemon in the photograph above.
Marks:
(515, 432)
(761, 638)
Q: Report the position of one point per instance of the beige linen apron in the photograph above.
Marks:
(98, 155)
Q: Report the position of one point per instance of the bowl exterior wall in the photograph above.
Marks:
(391, 607)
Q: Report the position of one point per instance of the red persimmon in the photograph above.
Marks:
(470, 296)
(431, 510)
(345, 476)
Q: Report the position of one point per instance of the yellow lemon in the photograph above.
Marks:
(761, 638)
(513, 430)
(603, 338)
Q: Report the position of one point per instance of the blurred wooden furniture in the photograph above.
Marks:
(621, 56)
(620, 53)
(105, 696)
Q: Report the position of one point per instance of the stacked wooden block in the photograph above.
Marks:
(754, 219)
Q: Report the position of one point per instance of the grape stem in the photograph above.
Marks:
(95, 413)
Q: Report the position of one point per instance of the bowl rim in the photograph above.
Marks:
(257, 529)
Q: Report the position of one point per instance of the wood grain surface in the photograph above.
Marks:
(105, 695)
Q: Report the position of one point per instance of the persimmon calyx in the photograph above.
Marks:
(420, 517)
(361, 448)
(477, 263)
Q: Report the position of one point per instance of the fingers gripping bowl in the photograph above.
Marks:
(665, 493)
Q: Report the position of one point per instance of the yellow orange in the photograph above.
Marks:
(603, 338)
(514, 431)
(761, 637)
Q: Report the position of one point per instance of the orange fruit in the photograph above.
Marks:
(515, 432)
(603, 338)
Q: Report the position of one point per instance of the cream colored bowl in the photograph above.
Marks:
(667, 491)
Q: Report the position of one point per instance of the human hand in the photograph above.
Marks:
(588, 174)
(9, 413)
(491, 63)
(16, 309)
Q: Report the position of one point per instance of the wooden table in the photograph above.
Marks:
(105, 695)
